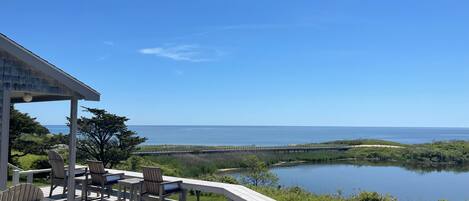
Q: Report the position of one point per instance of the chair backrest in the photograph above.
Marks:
(152, 176)
(57, 164)
(97, 172)
(22, 192)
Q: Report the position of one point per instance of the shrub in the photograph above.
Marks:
(220, 178)
(258, 173)
(136, 163)
(297, 193)
(372, 196)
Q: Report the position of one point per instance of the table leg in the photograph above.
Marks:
(183, 195)
(197, 194)
(139, 194)
(135, 193)
(119, 195)
(84, 194)
(131, 193)
(125, 191)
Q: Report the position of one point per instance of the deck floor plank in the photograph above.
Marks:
(57, 195)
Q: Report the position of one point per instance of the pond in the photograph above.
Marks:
(405, 184)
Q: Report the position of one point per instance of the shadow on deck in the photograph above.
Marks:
(57, 195)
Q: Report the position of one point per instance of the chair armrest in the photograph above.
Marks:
(165, 183)
(118, 176)
(162, 183)
(82, 168)
(171, 182)
(121, 175)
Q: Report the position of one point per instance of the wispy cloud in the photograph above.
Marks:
(178, 72)
(104, 57)
(110, 43)
(191, 53)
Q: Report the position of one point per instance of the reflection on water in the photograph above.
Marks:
(406, 183)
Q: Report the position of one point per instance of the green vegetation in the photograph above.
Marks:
(27, 136)
(257, 173)
(364, 142)
(296, 193)
(430, 156)
(338, 143)
(105, 137)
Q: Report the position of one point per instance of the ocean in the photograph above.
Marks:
(284, 135)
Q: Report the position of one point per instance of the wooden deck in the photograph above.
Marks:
(57, 194)
(231, 191)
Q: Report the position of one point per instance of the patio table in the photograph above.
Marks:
(83, 181)
(133, 184)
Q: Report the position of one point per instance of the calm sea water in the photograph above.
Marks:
(404, 184)
(283, 135)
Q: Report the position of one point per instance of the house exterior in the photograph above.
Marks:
(26, 77)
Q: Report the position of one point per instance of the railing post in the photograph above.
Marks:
(16, 177)
(183, 195)
(29, 178)
(197, 194)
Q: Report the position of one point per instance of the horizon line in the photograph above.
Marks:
(220, 125)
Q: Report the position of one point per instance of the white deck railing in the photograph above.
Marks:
(17, 172)
(231, 191)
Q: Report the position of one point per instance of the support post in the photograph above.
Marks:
(16, 177)
(72, 147)
(4, 139)
(30, 178)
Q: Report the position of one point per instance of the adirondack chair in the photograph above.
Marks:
(153, 185)
(101, 179)
(22, 192)
(59, 173)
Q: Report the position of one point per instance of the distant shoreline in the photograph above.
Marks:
(308, 126)
(283, 135)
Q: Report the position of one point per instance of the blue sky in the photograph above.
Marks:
(318, 63)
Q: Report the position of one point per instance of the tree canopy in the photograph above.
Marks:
(257, 173)
(27, 136)
(105, 137)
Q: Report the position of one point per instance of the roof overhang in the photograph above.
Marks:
(82, 90)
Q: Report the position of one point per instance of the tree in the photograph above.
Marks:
(258, 173)
(27, 136)
(105, 137)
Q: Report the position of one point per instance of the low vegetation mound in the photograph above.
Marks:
(364, 142)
